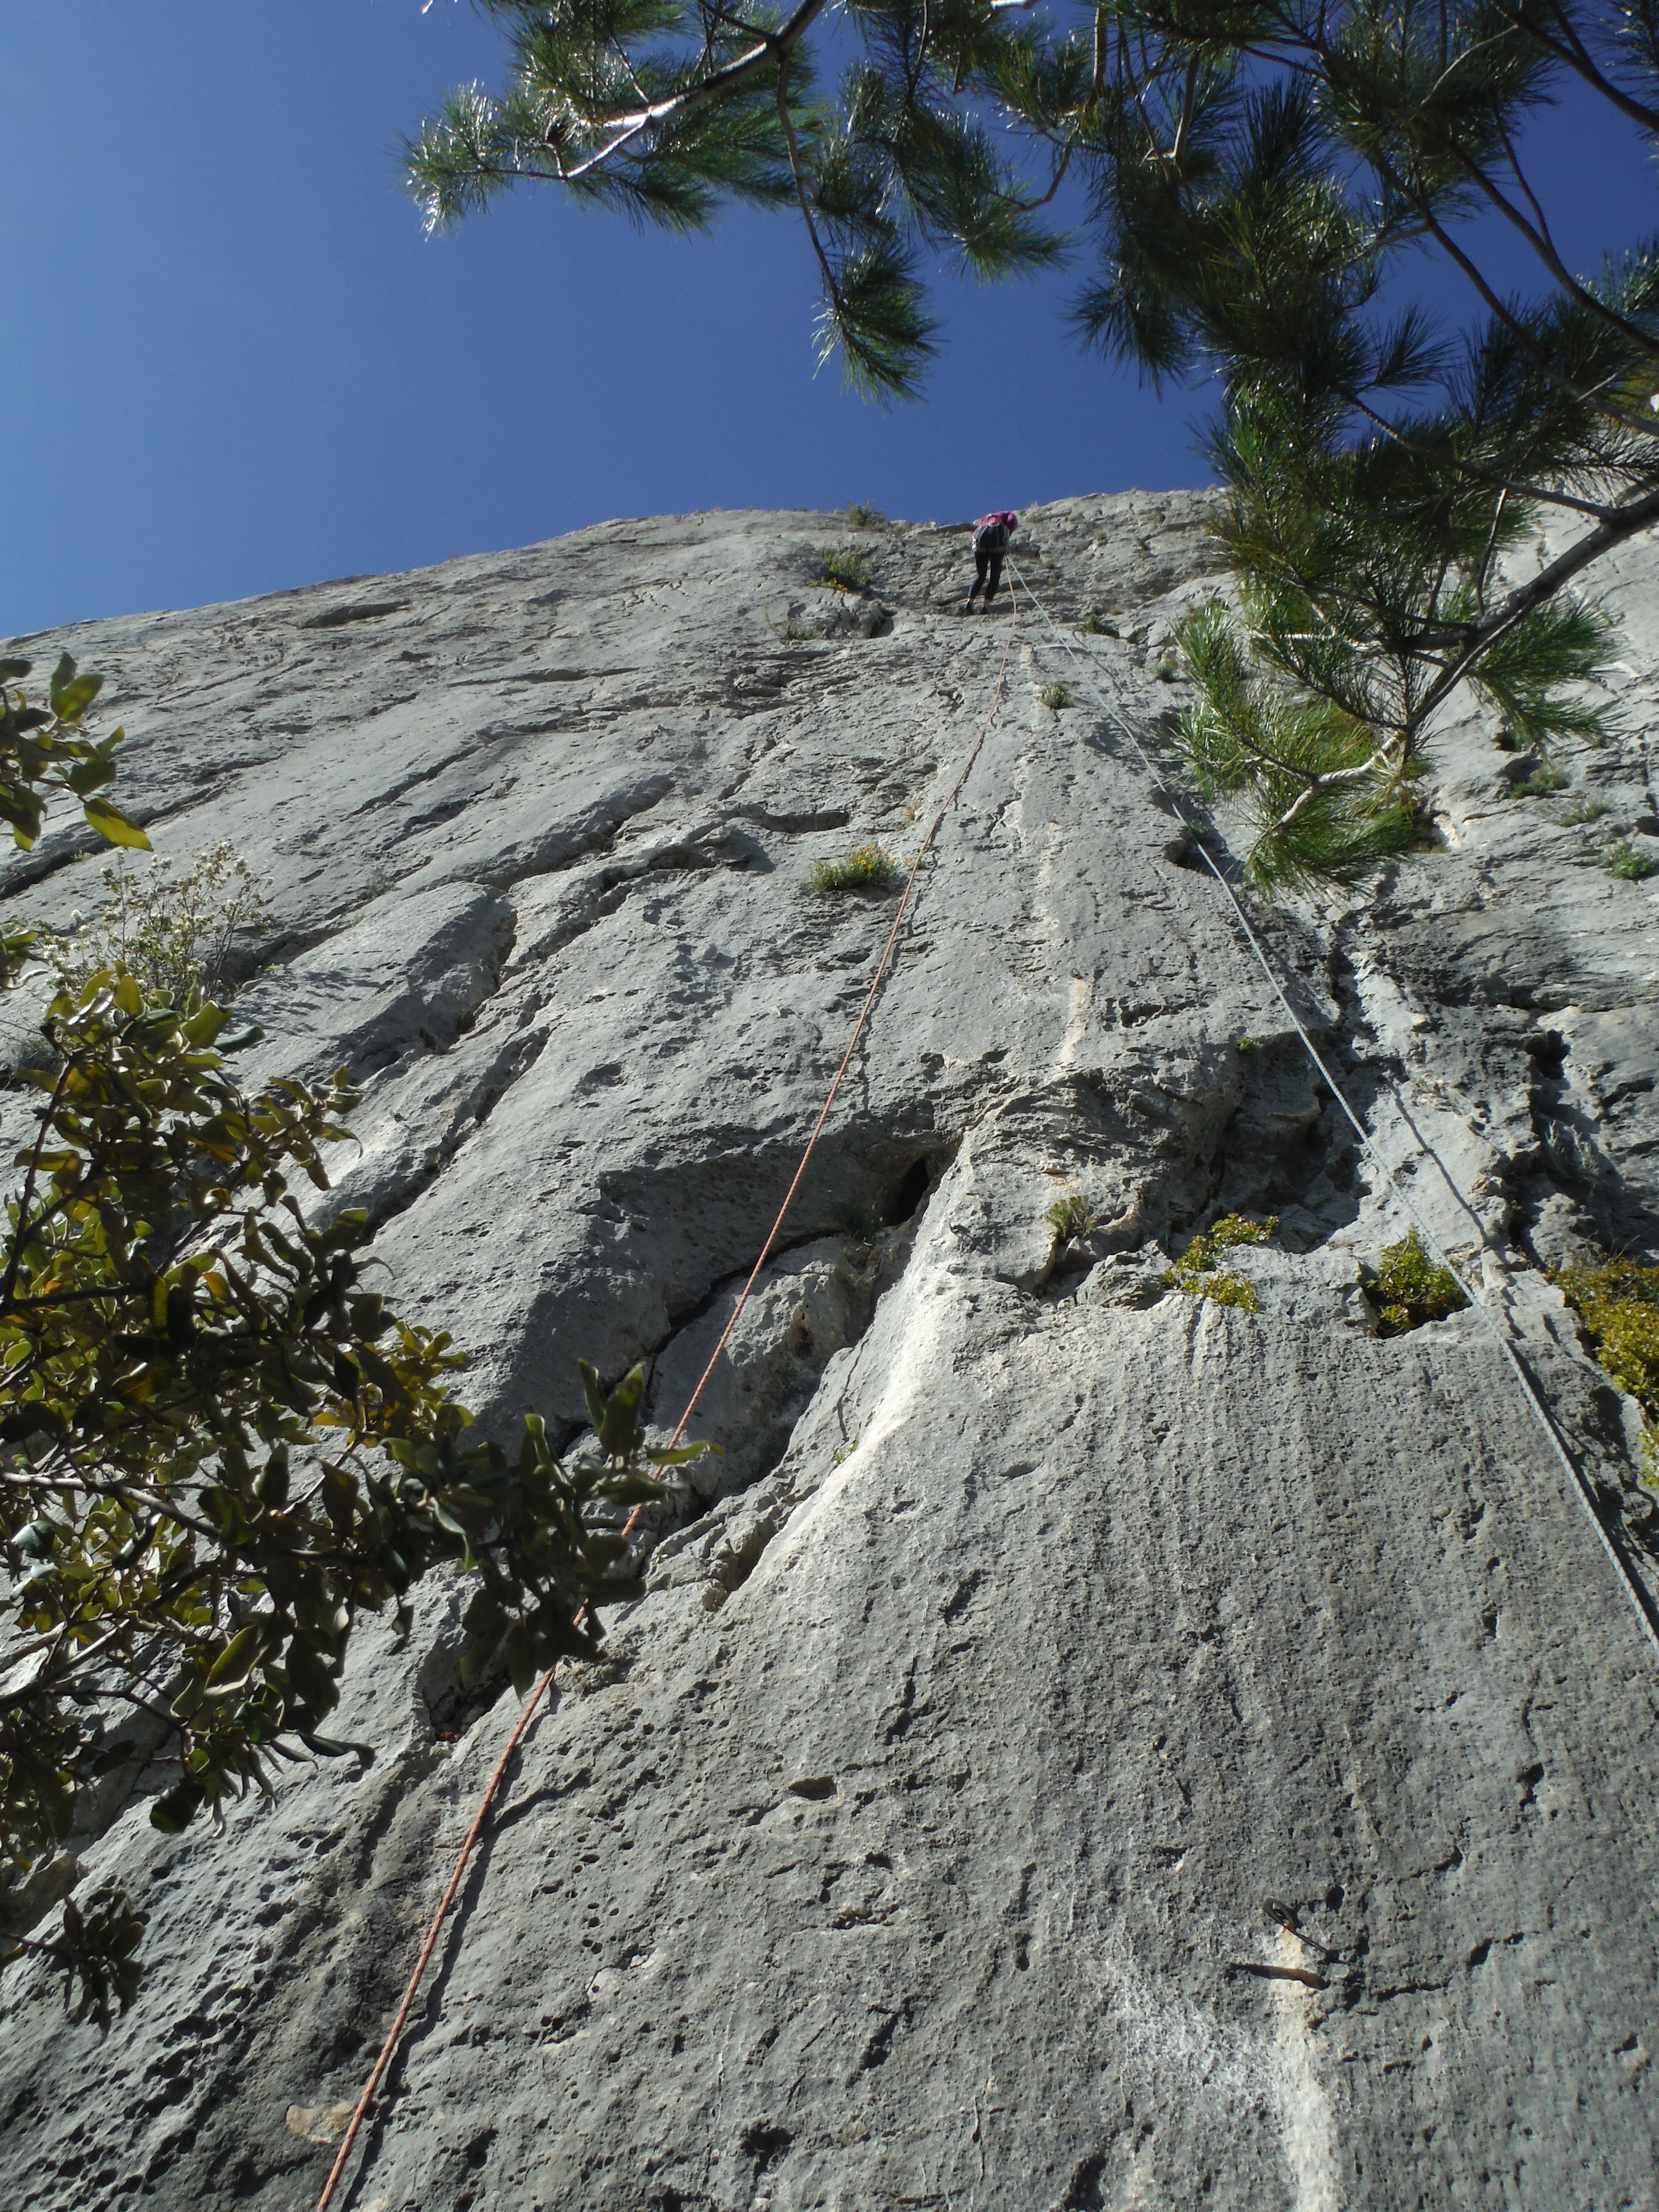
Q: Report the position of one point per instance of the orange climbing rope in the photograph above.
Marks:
(533, 1703)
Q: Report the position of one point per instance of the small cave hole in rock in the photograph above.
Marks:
(911, 1191)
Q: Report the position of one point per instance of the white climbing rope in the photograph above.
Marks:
(1642, 1604)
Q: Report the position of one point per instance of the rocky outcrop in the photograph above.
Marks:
(1084, 1745)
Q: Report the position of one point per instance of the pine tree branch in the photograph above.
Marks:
(1571, 50)
(772, 46)
(797, 170)
(1503, 313)
(1479, 637)
(1544, 246)
(1504, 484)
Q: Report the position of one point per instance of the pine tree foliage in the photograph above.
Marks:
(1259, 180)
(219, 1446)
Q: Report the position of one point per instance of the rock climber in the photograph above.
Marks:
(991, 536)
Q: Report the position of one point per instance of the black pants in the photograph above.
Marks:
(986, 558)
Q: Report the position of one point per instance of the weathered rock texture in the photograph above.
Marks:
(1094, 1747)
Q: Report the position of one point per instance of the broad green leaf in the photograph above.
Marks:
(109, 822)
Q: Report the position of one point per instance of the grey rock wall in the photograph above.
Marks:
(1083, 1747)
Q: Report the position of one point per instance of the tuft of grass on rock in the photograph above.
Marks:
(1196, 1274)
(1054, 696)
(1095, 624)
(1408, 1289)
(860, 515)
(1630, 866)
(1071, 1218)
(844, 568)
(865, 868)
(1540, 783)
(1245, 1045)
(1585, 809)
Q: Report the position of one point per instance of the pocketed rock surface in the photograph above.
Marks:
(1083, 1745)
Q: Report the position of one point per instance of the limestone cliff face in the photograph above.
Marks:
(1088, 1746)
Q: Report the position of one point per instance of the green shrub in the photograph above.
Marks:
(1095, 624)
(860, 515)
(1618, 1302)
(1056, 696)
(1071, 1218)
(1408, 1289)
(845, 569)
(1248, 1044)
(1626, 862)
(1585, 809)
(865, 868)
(1196, 1273)
(176, 934)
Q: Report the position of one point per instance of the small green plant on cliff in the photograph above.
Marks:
(865, 868)
(1197, 1275)
(1094, 624)
(174, 933)
(1618, 1302)
(218, 1445)
(1246, 1045)
(860, 515)
(1071, 1218)
(1408, 1289)
(844, 568)
(1630, 865)
(1585, 809)
(1540, 783)
(1054, 696)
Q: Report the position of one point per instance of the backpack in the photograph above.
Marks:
(991, 536)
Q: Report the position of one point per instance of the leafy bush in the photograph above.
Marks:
(1196, 1272)
(1071, 1218)
(1625, 861)
(172, 934)
(862, 516)
(1408, 1289)
(217, 1446)
(1056, 696)
(1095, 624)
(1245, 1045)
(865, 868)
(1618, 1302)
(845, 569)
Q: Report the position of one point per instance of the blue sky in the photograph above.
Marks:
(233, 364)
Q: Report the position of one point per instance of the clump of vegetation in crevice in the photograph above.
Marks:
(1071, 1219)
(1618, 1302)
(1585, 809)
(1541, 783)
(1054, 696)
(1094, 624)
(1408, 1289)
(844, 568)
(860, 515)
(1630, 866)
(865, 868)
(1197, 1274)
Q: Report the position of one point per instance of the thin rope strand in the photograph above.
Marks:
(1639, 1598)
(533, 1701)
